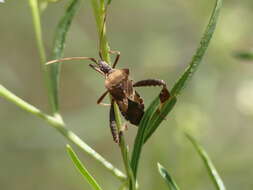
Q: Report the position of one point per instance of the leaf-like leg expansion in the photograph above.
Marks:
(164, 94)
(113, 125)
(117, 57)
(99, 101)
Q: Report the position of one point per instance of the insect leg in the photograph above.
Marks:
(117, 57)
(99, 101)
(164, 94)
(112, 52)
(113, 126)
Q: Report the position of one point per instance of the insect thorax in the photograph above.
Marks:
(115, 78)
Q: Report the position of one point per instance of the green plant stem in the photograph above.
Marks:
(53, 121)
(124, 186)
(99, 11)
(72, 137)
(99, 15)
(151, 120)
(124, 148)
(59, 125)
(37, 28)
(42, 54)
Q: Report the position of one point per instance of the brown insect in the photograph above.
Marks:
(121, 88)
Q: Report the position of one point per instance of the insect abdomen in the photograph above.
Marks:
(134, 112)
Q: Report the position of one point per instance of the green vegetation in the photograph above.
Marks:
(131, 155)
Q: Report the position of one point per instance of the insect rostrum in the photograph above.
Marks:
(121, 88)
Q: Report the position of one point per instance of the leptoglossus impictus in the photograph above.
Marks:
(121, 88)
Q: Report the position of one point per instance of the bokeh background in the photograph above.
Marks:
(156, 40)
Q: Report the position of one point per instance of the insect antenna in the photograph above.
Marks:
(70, 59)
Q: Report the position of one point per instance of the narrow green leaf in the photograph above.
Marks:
(139, 139)
(81, 168)
(109, 2)
(158, 117)
(149, 112)
(246, 56)
(53, 1)
(167, 178)
(123, 148)
(149, 123)
(58, 124)
(59, 44)
(208, 164)
(196, 60)
(152, 119)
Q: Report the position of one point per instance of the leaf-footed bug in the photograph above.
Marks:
(121, 88)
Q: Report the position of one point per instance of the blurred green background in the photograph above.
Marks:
(156, 40)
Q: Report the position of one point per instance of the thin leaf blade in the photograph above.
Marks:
(167, 178)
(204, 43)
(139, 139)
(109, 2)
(145, 131)
(244, 55)
(81, 168)
(208, 163)
(158, 117)
(58, 48)
(153, 120)
(195, 62)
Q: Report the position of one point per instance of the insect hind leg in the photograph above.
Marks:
(164, 94)
(113, 125)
